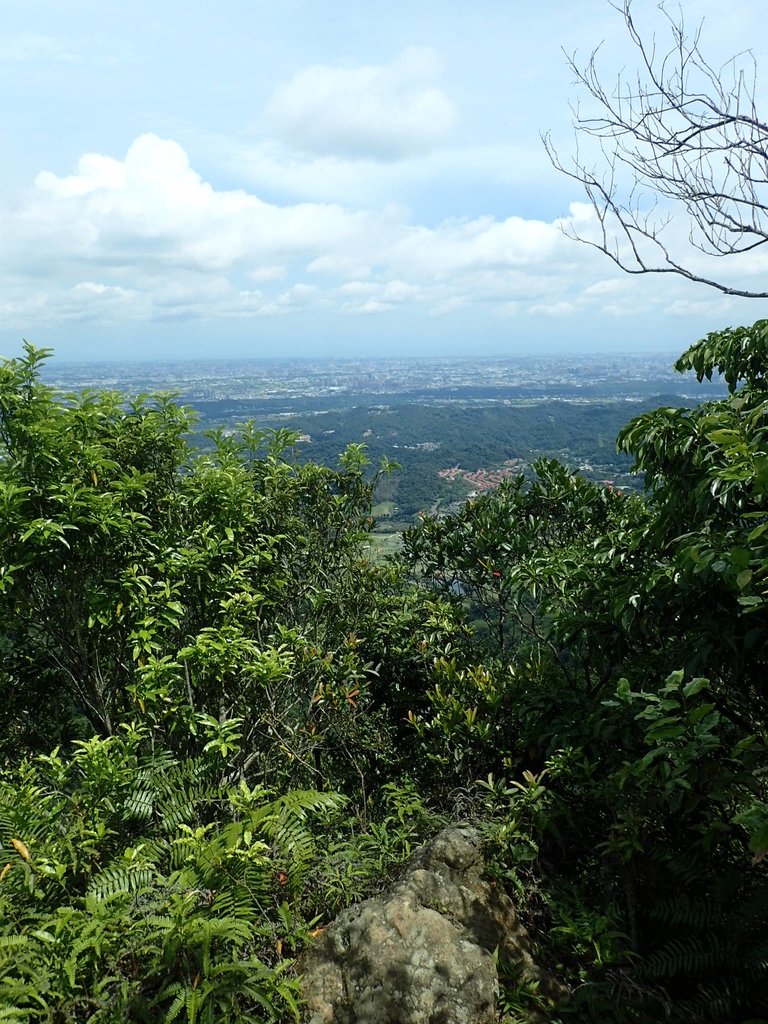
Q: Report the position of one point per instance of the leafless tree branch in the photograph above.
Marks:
(689, 135)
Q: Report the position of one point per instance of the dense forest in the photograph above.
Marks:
(425, 438)
(222, 722)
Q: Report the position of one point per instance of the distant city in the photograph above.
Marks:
(456, 427)
(599, 376)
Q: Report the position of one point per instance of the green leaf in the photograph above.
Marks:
(744, 578)
(695, 686)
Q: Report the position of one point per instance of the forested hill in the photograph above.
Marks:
(429, 415)
(223, 721)
(427, 438)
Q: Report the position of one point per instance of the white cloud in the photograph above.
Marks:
(93, 288)
(478, 243)
(552, 309)
(712, 307)
(609, 286)
(272, 166)
(31, 46)
(267, 274)
(153, 209)
(146, 238)
(379, 112)
(581, 213)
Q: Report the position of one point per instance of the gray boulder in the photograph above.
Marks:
(421, 953)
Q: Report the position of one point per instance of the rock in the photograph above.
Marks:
(422, 953)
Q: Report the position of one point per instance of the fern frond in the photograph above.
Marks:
(177, 1005)
(690, 956)
(140, 804)
(685, 911)
(121, 878)
(241, 901)
(716, 1002)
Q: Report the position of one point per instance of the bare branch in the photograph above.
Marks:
(684, 132)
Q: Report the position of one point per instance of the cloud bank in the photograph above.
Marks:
(145, 238)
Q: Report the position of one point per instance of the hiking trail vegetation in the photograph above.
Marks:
(222, 723)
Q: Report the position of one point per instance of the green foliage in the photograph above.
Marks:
(222, 596)
(203, 641)
(624, 718)
(221, 722)
(364, 854)
(707, 469)
(137, 890)
(496, 553)
(87, 489)
(739, 354)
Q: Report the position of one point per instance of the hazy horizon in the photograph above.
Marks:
(264, 357)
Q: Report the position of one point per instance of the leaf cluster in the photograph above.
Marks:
(620, 724)
(222, 722)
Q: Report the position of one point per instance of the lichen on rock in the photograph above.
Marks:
(422, 952)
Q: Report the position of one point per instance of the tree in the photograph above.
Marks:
(684, 131)
(482, 555)
(218, 595)
(86, 486)
(630, 766)
(198, 632)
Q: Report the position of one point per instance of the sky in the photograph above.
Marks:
(182, 179)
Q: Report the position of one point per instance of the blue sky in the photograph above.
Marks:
(319, 177)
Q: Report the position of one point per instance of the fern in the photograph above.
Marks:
(170, 792)
(716, 1002)
(245, 900)
(122, 878)
(162, 904)
(284, 822)
(714, 956)
(687, 911)
(691, 957)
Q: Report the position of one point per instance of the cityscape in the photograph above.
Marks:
(456, 427)
(273, 380)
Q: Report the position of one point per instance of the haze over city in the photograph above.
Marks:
(322, 179)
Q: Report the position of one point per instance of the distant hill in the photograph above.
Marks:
(429, 437)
